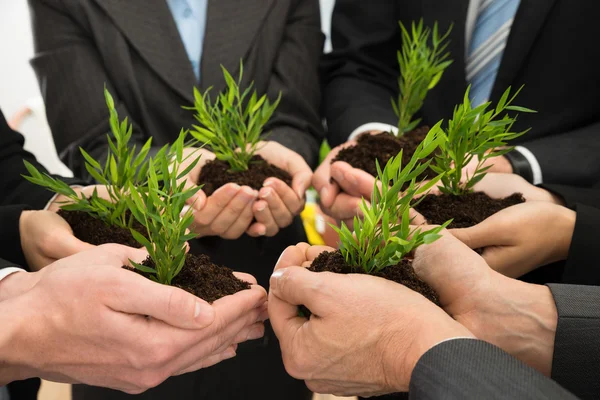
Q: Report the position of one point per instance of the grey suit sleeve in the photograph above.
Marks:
(297, 121)
(474, 369)
(576, 361)
(75, 107)
(579, 149)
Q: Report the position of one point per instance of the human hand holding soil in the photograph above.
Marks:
(523, 237)
(278, 202)
(227, 212)
(366, 334)
(123, 332)
(516, 316)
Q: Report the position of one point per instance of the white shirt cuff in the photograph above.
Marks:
(373, 126)
(4, 272)
(56, 195)
(533, 162)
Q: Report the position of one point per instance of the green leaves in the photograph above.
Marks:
(422, 60)
(234, 123)
(479, 133)
(159, 207)
(384, 235)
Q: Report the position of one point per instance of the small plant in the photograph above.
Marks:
(123, 168)
(478, 133)
(421, 67)
(234, 123)
(384, 235)
(159, 207)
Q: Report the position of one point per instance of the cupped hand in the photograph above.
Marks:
(499, 186)
(227, 212)
(523, 237)
(365, 335)
(149, 331)
(278, 202)
(513, 315)
(46, 238)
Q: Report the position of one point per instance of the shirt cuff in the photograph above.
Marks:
(373, 126)
(536, 169)
(4, 272)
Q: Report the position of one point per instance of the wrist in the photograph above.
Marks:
(566, 220)
(16, 326)
(16, 284)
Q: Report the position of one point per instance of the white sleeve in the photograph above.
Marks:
(4, 272)
(533, 163)
(373, 126)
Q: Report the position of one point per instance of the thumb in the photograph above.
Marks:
(298, 286)
(301, 182)
(69, 245)
(174, 306)
(477, 236)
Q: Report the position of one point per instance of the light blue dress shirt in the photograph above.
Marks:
(190, 17)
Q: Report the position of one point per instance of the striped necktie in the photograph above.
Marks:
(494, 21)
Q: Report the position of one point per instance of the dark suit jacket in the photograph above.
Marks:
(473, 369)
(547, 51)
(134, 48)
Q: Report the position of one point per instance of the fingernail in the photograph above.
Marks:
(256, 333)
(261, 207)
(185, 210)
(262, 231)
(275, 277)
(268, 183)
(202, 310)
(266, 193)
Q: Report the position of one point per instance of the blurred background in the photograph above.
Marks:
(21, 103)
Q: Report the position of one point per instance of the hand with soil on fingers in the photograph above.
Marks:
(279, 202)
(227, 212)
(366, 334)
(523, 237)
(499, 186)
(149, 331)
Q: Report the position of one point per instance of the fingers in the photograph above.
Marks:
(322, 182)
(134, 294)
(302, 181)
(280, 212)
(68, 246)
(293, 256)
(214, 359)
(490, 232)
(216, 203)
(353, 181)
(343, 207)
(266, 224)
(245, 277)
(239, 224)
(298, 286)
(290, 199)
(233, 307)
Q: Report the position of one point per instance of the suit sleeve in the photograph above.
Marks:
(14, 189)
(360, 74)
(10, 239)
(474, 369)
(579, 147)
(297, 121)
(576, 195)
(576, 360)
(63, 50)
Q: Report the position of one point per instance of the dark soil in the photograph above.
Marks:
(96, 232)
(467, 210)
(203, 278)
(216, 173)
(382, 147)
(402, 273)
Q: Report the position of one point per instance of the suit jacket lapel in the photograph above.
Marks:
(151, 30)
(526, 27)
(232, 26)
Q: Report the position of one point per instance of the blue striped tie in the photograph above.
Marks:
(494, 21)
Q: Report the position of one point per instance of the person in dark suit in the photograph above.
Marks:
(495, 338)
(43, 267)
(494, 44)
(150, 55)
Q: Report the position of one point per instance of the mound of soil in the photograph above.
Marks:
(204, 279)
(466, 210)
(402, 273)
(382, 147)
(96, 232)
(216, 173)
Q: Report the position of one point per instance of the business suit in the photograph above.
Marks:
(134, 47)
(472, 369)
(545, 52)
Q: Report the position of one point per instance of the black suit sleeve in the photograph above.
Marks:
(360, 75)
(576, 360)
(474, 369)
(57, 37)
(297, 121)
(583, 146)
(14, 189)
(10, 239)
(572, 195)
(581, 267)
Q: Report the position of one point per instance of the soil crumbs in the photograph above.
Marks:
(94, 231)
